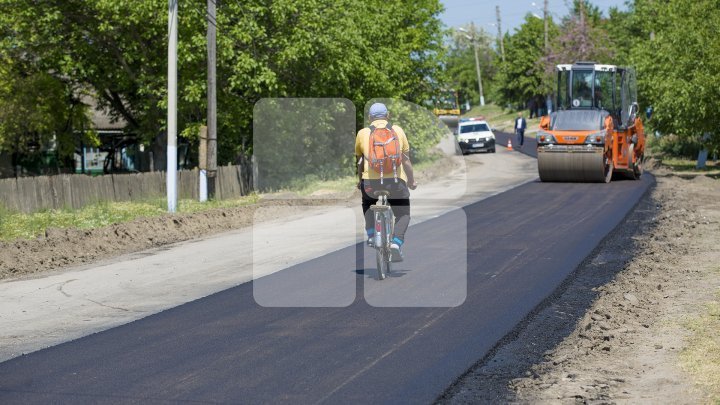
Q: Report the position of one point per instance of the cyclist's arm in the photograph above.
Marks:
(359, 159)
(407, 165)
(360, 167)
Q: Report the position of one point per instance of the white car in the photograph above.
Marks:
(475, 135)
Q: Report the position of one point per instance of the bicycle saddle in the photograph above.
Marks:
(380, 193)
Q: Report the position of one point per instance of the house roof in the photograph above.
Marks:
(101, 118)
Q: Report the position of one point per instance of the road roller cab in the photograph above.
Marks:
(596, 130)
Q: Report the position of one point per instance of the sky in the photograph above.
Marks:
(512, 12)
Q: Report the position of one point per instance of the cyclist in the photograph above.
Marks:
(369, 181)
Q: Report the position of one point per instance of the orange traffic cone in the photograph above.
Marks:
(509, 144)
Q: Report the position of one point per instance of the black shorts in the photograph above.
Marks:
(398, 191)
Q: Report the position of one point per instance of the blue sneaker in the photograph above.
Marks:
(396, 254)
(371, 237)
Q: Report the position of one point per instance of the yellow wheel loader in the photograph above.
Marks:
(447, 108)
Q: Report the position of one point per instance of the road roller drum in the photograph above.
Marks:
(568, 165)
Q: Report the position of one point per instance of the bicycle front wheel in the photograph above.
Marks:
(381, 262)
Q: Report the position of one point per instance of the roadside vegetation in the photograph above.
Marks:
(670, 44)
(679, 164)
(48, 87)
(701, 358)
(501, 119)
(56, 58)
(16, 225)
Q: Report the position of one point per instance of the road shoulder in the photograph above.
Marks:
(623, 328)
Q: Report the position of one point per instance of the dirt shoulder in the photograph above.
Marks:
(62, 248)
(637, 322)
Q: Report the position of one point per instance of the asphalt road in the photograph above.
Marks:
(520, 245)
(529, 146)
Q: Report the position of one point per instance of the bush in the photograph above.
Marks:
(674, 145)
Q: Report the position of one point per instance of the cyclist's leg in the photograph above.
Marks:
(400, 203)
(401, 211)
(367, 201)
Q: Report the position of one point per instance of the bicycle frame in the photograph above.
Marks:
(384, 226)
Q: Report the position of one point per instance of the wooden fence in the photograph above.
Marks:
(32, 194)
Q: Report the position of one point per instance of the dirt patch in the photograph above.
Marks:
(619, 329)
(61, 248)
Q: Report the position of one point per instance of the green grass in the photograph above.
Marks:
(492, 113)
(16, 225)
(499, 118)
(343, 184)
(687, 165)
(701, 358)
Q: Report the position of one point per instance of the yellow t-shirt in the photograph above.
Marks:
(361, 149)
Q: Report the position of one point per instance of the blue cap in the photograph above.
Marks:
(378, 110)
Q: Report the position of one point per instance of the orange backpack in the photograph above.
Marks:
(384, 150)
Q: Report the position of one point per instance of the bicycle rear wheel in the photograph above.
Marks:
(381, 253)
(389, 224)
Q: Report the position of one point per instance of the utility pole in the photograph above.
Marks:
(212, 101)
(500, 36)
(171, 175)
(545, 18)
(477, 63)
(472, 36)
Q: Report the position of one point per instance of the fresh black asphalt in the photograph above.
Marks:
(225, 348)
(529, 146)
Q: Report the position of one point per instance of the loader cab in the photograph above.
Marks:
(592, 86)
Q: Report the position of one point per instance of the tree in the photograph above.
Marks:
(460, 64)
(590, 12)
(37, 110)
(522, 76)
(281, 48)
(582, 38)
(678, 66)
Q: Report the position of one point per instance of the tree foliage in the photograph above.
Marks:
(117, 49)
(678, 66)
(37, 110)
(460, 64)
(580, 39)
(522, 76)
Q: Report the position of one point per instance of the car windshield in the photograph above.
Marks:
(474, 128)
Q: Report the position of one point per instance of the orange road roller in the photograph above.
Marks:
(596, 130)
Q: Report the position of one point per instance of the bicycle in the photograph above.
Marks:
(384, 227)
